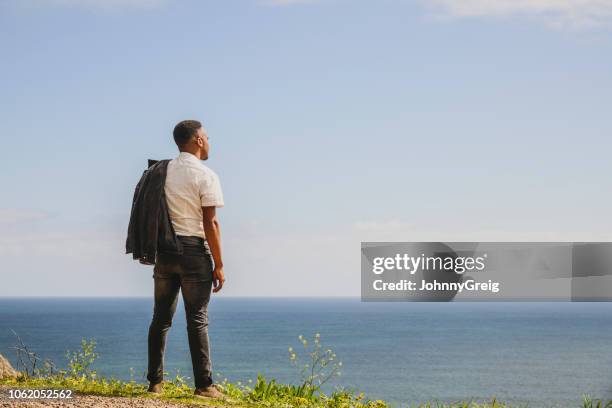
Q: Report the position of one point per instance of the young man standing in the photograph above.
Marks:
(192, 192)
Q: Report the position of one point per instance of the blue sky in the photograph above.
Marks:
(331, 122)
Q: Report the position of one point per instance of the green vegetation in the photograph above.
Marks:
(319, 367)
(316, 365)
(591, 403)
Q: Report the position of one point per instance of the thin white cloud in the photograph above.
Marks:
(386, 226)
(15, 216)
(572, 14)
(88, 4)
(286, 2)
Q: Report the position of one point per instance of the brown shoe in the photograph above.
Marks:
(156, 388)
(209, 392)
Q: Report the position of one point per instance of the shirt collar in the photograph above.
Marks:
(188, 157)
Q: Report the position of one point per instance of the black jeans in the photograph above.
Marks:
(192, 274)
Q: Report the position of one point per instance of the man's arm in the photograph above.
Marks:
(212, 230)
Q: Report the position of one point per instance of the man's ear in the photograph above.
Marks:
(199, 141)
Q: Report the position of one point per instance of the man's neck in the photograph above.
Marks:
(195, 154)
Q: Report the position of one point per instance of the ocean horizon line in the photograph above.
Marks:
(151, 297)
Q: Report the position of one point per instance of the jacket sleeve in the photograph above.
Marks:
(129, 242)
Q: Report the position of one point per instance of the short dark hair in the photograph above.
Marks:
(184, 131)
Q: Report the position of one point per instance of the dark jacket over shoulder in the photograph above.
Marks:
(150, 230)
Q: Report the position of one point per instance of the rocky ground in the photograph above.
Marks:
(90, 401)
(6, 369)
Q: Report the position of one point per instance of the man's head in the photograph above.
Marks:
(191, 137)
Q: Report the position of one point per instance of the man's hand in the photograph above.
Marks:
(218, 279)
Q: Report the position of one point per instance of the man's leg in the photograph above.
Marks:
(166, 296)
(196, 295)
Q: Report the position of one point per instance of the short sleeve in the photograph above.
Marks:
(210, 191)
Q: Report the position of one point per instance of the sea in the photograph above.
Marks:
(529, 354)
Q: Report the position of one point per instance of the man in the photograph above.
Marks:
(192, 194)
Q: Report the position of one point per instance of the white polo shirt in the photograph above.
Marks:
(190, 185)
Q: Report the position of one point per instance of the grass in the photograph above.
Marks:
(263, 394)
(173, 391)
(320, 366)
(79, 376)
